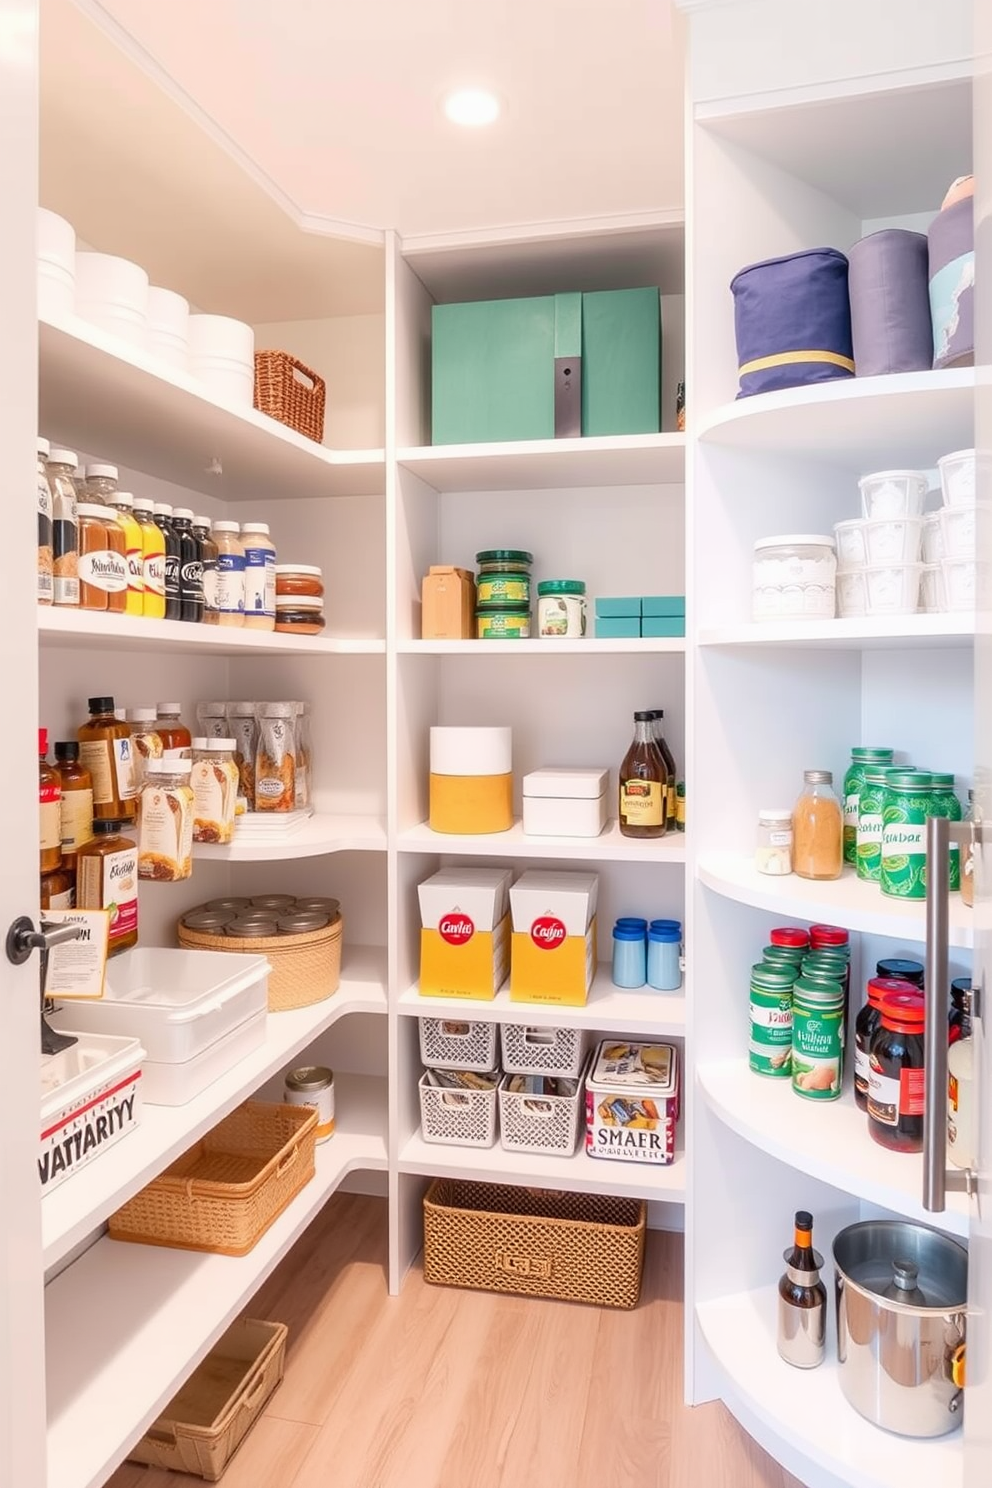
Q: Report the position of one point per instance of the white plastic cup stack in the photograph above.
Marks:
(222, 358)
(963, 581)
(880, 571)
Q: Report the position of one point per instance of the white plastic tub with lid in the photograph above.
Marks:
(222, 358)
(793, 577)
(56, 254)
(167, 327)
(112, 293)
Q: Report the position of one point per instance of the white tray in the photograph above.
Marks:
(90, 1099)
(175, 1084)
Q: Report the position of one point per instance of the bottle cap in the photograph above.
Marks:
(262, 527)
(818, 777)
(168, 708)
(644, 716)
(43, 741)
(43, 447)
(144, 503)
(63, 457)
(100, 704)
(67, 749)
(106, 826)
(226, 527)
(184, 513)
(202, 522)
(122, 498)
(804, 1220)
(101, 472)
(141, 715)
(162, 509)
(174, 765)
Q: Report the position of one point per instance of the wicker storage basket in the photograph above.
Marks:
(225, 1192)
(203, 1426)
(573, 1247)
(444, 1044)
(305, 968)
(290, 391)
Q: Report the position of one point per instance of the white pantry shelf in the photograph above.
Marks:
(74, 1210)
(828, 1140)
(871, 423)
(578, 1173)
(547, 464)
(609, 847)
(870, 633)
(85, 630)
(587, 646)
(100, 394)
(323, 833)
(847, 901)
(127, 1324)
(801, 1417)
(644, 1014)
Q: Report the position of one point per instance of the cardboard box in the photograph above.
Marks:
(671, 625)
(568, 897)
(657, 605)
(632, 1102)
(565, 802)
(448, 605)
(623, 607)
(553, 948)
(465, 939)
(617, 630)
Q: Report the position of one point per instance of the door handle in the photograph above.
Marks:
(23, 938)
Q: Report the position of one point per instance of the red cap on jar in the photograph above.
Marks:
(821, 936)
(42, 742)
(904, 1012)
(879, 988)
(789, 935)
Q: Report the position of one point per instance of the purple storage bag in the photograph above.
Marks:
(792, 318)
(890, 303)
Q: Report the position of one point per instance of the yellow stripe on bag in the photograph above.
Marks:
(788, 358)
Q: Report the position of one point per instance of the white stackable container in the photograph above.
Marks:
(850, 539)
(458, 1118)
(540, 1123)
(458, 1044)
(565, 801)
(167, 327)
(90, 1099)
(893, 539)
(852, 593)
(222, 358)
(959, 531)
(933, 537)
(957, 477)
(542, 1051)
(933, 592)
(112, 293)
(195, 1013)
(893, 588)
(893, 493)
(56, 254)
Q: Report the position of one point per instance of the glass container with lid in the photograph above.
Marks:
(101, 483)
(817, 829)
(896, 1084)
(773, 848)
(504, 560)
(853, 782)
(60, 470)
(904, 821)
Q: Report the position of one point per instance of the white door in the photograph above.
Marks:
(22, 1375)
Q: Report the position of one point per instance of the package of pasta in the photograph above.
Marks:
(275, 757)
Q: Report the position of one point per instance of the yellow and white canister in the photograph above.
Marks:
(471, 784)
(313, 1085)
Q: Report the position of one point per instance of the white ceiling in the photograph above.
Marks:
(334, 105)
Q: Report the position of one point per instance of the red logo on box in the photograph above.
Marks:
(547, 933)
(456, 929)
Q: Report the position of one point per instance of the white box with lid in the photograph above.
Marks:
(569, 897)
(90, 1099)
(482, 894)
(565, 801)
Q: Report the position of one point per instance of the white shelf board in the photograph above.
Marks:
(608, 847)
(323, 833)
(829, 1140)
(805, 1409)
(74, 1210)
(587, 646)
(547, 464)
(126, 1324)
(100, 394)
(645, 1014)
(85, 630)
(871, 633)
(578, 1173)
(907, 419)
(847, 901)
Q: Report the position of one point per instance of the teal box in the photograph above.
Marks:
(552, 365)
(617, 629)
(628, 606)
(663, 625)
(656, 605)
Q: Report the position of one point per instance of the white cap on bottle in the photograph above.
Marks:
(106, 472)
(44, 448)
(168, 708)
(184, 513)
(63, 457)
(171, 765)
(226, 527)
(141, 715)
(162, 509)
(262, 527)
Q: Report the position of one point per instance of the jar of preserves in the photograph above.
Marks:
(107, 878)
(817, 829)
(871, 802)
(773, 850)
(896, 1073)
(260, 576)
(299, 581)
(106, 750)
(561, 608)
(215, 790)
(102, 559)
(49, 809)
(170, 727)
(943, 802)
(853, 782)
(770, 1048)
(866, 1025)
(152, 558)
(165, 851)
(44, 502)
(61, 468)
(76, 806)
(817, 1038)
(230, 589)
(904, 823)
(299, 616)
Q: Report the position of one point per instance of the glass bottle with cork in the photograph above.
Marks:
(107, 752)
(643, 790)
(802, 1300)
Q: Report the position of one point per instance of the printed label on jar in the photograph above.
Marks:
(904, 860)
(95, 755)
(191, 577)
(862, 1070)
(127, 785)
(215, 789)
(770, 1059)
(772, 1022)
(135, 568)
(869, 845)
(889, 1099)
(230, 584)
(154, 573)
(166, 834)
(503, 591)
(642, 803)
(111, 882)
(104, 570)
(260, 582)
(48, 811)
(76, 819)
(63, 900)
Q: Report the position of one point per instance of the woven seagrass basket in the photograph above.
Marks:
(305, 968)
(288, 390)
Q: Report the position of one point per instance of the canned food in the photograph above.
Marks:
(302, 922)
(330, 907)
(251, 929)
(208, 919)
(313, 1085)
(280, 902)
(236, 904)
(504, 589)
(502, 624)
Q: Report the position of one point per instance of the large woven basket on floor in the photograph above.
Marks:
(290, 391)
(305, 968)
(225, 1192)
(534, 1242)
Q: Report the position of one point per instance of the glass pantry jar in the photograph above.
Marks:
(896, 1074)
(854, 780)
(817, 828)
(904, 823)
(107, 878)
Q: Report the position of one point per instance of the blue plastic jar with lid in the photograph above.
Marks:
(665, 955)
(629, 955)
(631, 922)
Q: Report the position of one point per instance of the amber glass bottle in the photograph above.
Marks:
(49, 804)
(643, 797)
(107, 878)
(106, 749)
(77, 800)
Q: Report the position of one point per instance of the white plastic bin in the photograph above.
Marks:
(112, 293)
(957, 477)
(56, 254)
(167, 327)
(458, 1044)
(893, 493)
(222, 358)
(458, 1118)
(542, 1051)
(90, 1099)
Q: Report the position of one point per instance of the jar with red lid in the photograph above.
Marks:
(789, 935)
(896, 1073)
(824, 937)
(866, 1026)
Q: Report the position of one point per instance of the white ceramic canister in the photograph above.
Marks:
(56, 254)
(167, 327)
(794, 577)
(222, 358)
(313, 1085)
(112, 293)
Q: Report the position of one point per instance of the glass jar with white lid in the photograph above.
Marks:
(773, 848)
(794, 577)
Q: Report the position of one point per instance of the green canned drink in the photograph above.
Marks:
(817, 1038)
(904, 827)
(771, 1020)
(853, 783)
(870, 804)
(943, 802)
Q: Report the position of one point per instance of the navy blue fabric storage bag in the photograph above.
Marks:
(792, 318)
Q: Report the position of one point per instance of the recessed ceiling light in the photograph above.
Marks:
(471, 107)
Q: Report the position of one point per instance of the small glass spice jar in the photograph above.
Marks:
(773, 852)
(896, 1079)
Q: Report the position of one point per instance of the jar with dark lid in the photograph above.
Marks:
(330, 907)
(504, 560)
(232, 902)
(959, 1016)
(208, 921)
(896, 1073)
(280, 902)
(302, 922)
(789, 935)
(252, 929)
(902, 969)
(866, 1025)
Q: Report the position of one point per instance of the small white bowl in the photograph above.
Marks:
(933, 594)
(851, 549)
(893, 493)
(852, 593)
(894, 539)
(893, 588)
(958, 527)
(933, 538)
(957, 477)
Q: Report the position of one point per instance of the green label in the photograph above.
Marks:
(869, 843)
(817, 1052)
(771, 1033)
(854, 782)
(904, 856)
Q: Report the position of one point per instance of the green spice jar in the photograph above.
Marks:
(779, 956)
(817, 1038)
(943, 802)
(502, 624)
(853, 782)
(770, 1050)
(871, 801)
(504, 578)
(904, 824)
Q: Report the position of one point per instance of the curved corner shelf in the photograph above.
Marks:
(870, 633)
(844, 901)
(83, 630)
(905, 419)
(800, 1415)
(828, 1141)
(322, 834)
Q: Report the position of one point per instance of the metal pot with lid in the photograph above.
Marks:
(901, 1292)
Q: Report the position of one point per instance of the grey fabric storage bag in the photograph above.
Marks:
(890, 303)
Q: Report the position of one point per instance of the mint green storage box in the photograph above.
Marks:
(656, 626)
(550, 365)
(658, 605)
(618, 629)
(623, 608)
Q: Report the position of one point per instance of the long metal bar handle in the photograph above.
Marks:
(935, 1029)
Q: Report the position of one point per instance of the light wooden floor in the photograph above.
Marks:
(450, 1389)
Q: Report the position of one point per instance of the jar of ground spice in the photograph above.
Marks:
(817, 828)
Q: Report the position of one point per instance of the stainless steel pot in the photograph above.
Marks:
(901, 1366)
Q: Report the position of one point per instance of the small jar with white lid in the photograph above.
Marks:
(230, 583)
(773, 851)
(101, 483)
(260, 576)
(793, 577)
(46, 559)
